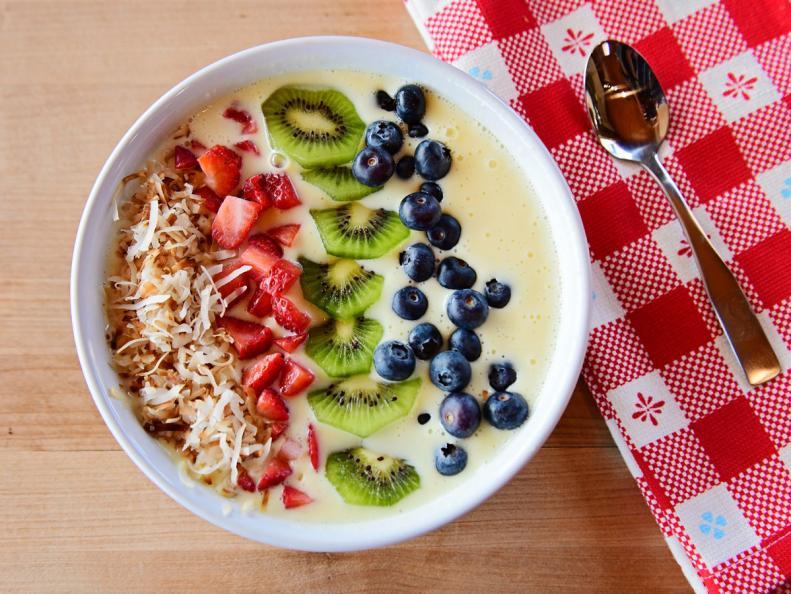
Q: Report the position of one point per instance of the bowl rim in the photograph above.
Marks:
(389, 529)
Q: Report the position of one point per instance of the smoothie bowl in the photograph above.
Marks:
(330, 293)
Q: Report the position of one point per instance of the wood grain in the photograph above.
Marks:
(77, 515)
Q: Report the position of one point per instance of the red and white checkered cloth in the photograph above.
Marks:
(711, 455)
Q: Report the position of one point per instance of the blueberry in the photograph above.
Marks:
(455, 273)
(432, 160)
(410, 303)
(505, 410)
(501, 375)
(405, 168)
(497, 294)
(445, 234)
(450, 371)
(425, 340)
(385, 101)
(467, 309)
(433, 189)
(410, 104)
(460, 414)
(394, 360)
(419, 211)
(450, 459)
(418, 130)
(466, 342)
(373, 166)
(384, 135)
(417, 261)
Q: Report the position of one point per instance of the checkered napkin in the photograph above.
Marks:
(711, 454)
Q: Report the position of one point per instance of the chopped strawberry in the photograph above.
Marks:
(263, 372)
(289, 343)
(227, 287)
(210, 200)
(275, 473)
(197, 146)
(294, 497)
(277, 429)
(271, 406)
(247, 146)
(260, 304)
(242, 116)
(281, 190)
(281, 277)
(259, 258)
(267, 244)
(233, 221)
(254, 188)
(313, 447)
(288, 316)
(294, 378)
(184, 158)
(285, 234)
(221, 166)
(290, 449)
(245, 481)
(249, 339)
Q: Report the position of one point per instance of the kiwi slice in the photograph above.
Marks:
(338, 183)
(344, 347)
(343, 289)
(362, 406)
(316, 128)
(363, 477)
(354, 231)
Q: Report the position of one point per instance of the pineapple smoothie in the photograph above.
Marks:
(366, 307)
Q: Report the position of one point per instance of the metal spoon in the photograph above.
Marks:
(630, 116)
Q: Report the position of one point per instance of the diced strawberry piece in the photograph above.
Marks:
(254, 188)
(267, 244)
(249, 126)
(245, 481)
(294, 378)
(247, 146)
(285, 234)
(259, 258)
(210, 200)
(271, 406)
(281, 190)
(277, 429)
(222, 168)
(313, 447)
(289, 343)
(288, 316)
(290, 449)
(197, 146)
(263, 372)
(249, 339)
(184, 158)
(281, 277)
(226, 288)
(275, 473)
(260, 304)
(234, 221)
(294, 497)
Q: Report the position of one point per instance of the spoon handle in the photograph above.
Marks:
(741, 327)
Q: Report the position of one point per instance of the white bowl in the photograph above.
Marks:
(316, 53)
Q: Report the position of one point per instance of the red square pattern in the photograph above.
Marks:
(701, 382)
(651, 481)
(599, 171)
(763, 493)
(764, 136)
(768, 266)
(554, 112)
(680, 465)
(639, 273)
(772, 403)
(773, 58)
(670, 326)
(760, 20)
(654, 207)
(750, 572)
(662, 51)
(506, 17)
(733, 438)
(611, 220)
(703, 49)
(701, 300)
(744, 216)
(679, 175)
(780, 552)
(615, 356)
(714, 164)
(545, 12)
(529, 60)
(693, 113)
(457, 29)
(781, 318)
(627, 20)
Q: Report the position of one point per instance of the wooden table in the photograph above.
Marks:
(76, 514)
